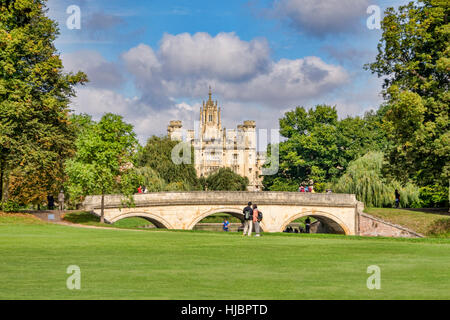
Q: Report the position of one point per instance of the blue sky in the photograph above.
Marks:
(152, 61)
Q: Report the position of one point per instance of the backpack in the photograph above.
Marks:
(260, 216)
(248, 213)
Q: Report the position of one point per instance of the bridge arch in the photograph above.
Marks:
(156, 220)
(324, 217)
(237, 213)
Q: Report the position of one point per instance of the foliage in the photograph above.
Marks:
(157, 156)
(413, 59)
(11, 206)
(319, 146)
(226, 179)
(364, 178)
(145, 176)
(433, 196)
(35, 133)
(280, 184)
(104, 155)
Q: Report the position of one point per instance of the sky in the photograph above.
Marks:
(153, 61)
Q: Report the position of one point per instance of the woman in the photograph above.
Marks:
(255, 220)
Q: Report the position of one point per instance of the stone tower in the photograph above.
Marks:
(216, 147)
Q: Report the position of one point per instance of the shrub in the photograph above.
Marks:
(435, 196)
(10, 206)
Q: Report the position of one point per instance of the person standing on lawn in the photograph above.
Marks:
(248, 219)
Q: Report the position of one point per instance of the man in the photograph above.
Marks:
(226, 225)
(51, 202)
(248, 219)
(397, 199)
(61, 200)
(307, 225)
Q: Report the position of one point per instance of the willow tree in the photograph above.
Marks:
(35, 132)
(364, 178)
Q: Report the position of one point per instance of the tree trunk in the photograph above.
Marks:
(102, 216)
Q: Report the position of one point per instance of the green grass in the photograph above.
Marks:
(86, 218)
(430, 224)
(123, 264)
(218, 218)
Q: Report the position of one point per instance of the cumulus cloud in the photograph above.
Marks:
(224, 56)
(101, 73)
(172, 79)
(322, 17)
(184, 66)
(289, 81)
(146, 120)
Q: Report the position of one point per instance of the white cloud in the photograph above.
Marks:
(97, 102)
(322, 17)
(290, 81)
(173, 79)
(185, 65)
(224, 56)
(101, 73)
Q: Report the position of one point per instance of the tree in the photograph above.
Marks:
(157, 155)
(226, 179)
(413, 58)
(104, 155)
(35, 132)
(319, 147)
(364, 178)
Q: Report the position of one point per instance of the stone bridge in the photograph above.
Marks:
(337, 213)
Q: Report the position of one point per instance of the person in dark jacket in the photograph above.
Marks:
(307, 225)
(397, 198)
(248, 219)
(51, 202)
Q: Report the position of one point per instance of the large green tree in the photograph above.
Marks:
(318, 147)
(225, 179)
(414, 61)
(35, 131)
(105, 153)
(157, 155)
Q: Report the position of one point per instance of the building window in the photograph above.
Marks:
(210, 118)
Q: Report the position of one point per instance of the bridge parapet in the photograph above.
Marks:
(226, 198)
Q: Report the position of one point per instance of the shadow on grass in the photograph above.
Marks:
(81, 218)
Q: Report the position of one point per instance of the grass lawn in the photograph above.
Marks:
(89, 219)
(124, 264)
(430, 224)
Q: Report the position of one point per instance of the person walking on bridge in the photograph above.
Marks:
(248, 219)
